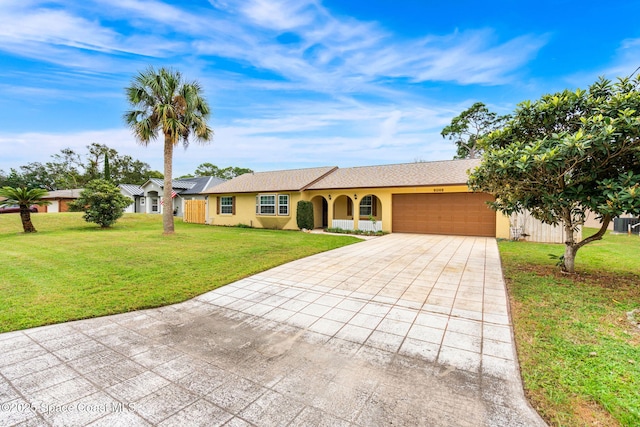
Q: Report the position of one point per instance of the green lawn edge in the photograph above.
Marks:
(72, 270)
(578, 352)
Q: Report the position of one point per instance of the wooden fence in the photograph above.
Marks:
(525, 227)
(195, 211)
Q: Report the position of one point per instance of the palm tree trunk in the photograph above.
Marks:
(167, 208)
(25, 217)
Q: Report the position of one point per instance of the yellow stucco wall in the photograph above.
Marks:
(337, 207)
(502, 226)
(245, 212)
(337, 204)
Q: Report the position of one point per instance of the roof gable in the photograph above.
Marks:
(202, 183)
(134, 190)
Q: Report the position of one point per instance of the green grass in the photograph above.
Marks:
(71, 269)
(579, 354)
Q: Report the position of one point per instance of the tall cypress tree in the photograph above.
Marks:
(107, 169)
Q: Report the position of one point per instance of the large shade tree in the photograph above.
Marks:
(566, 154)
(163, 104)
(25, 198)
(469, 127)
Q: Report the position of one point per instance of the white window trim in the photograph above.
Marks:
(222, 206)
(369, 206)
(276, 204)
(260, 205)
(285, 205)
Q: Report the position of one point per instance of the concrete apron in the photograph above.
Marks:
(404, 329)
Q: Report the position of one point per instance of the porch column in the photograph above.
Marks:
(356, 213)
(329, 212)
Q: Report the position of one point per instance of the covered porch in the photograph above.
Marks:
(348, 212)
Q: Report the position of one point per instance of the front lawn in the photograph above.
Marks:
(579, 353)
(70, 269)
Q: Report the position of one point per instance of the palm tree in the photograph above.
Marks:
(24, 198)
(162, 102)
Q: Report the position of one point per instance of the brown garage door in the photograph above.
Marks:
(461, 214)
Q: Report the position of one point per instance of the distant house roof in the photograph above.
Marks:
(446, 172)
(285, 180)
(134, 190)
(201, 183)
(187, 186)
(176, 184)
(64, 194)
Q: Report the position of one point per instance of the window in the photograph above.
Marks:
(226, 205)
(366, 206)
(266, 205)
(283, 204)
(142, 199)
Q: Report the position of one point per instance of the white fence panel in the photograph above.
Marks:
(344, 224)
(525, 227)
(367, 225)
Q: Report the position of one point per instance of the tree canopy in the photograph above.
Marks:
(102, 203)
(71, 169)
(162, 103)
(467, 129)
(209, 169)
(566, 154)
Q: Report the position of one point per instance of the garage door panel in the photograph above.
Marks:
(450, 213)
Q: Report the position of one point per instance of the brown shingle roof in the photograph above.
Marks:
(258, 182)
(446, 172)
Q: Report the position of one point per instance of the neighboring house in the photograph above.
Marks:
(135, 193)
(150, 200)
(60, 200)
(592, 220)
(424, 197)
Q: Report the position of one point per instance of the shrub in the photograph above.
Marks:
(304, 215)
(355, 232)
(102, 203)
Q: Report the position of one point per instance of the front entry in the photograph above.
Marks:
(325, 213)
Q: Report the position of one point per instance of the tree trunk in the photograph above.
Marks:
(167, 207)
(569, 265)
(571, 248)
(25, 217)
(569, 261)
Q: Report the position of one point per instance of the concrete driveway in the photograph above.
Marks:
(403, 329)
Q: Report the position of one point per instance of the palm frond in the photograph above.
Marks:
(23, 196)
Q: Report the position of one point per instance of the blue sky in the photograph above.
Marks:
(297, 83)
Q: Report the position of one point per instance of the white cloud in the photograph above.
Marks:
(304, 135)
(333, 54)
(278, 15)
(327, 96)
